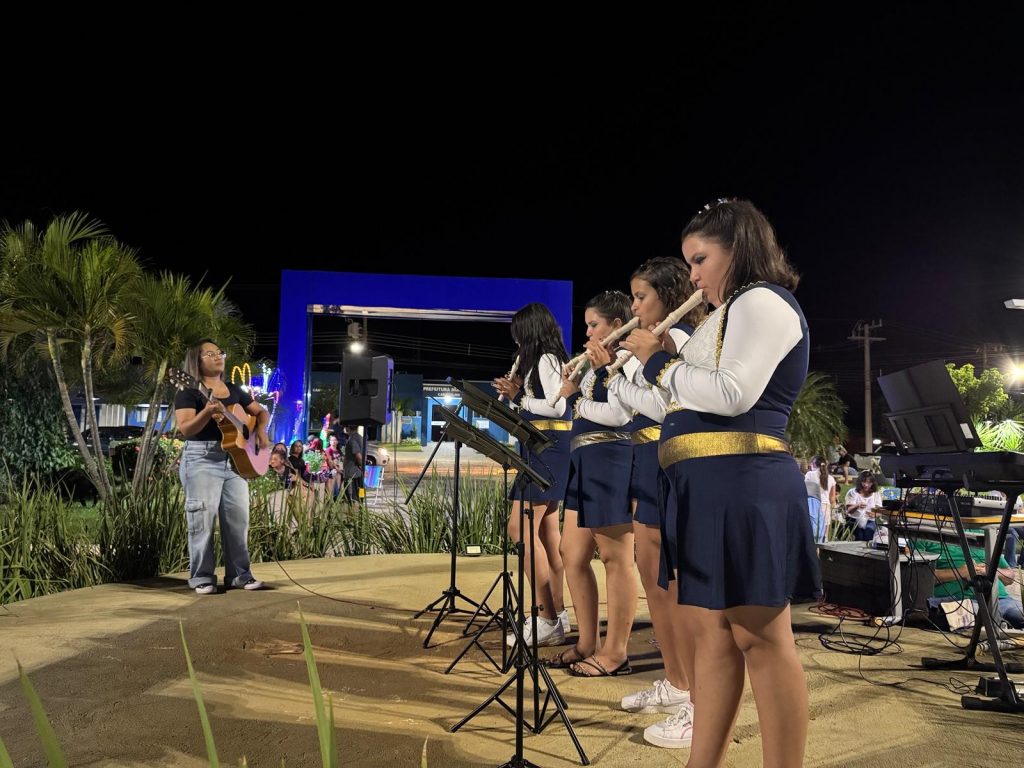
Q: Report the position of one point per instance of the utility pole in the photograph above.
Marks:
(862, 332)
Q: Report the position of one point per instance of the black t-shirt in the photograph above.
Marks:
(353, 447)
(190, 398)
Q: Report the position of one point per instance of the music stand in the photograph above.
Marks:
(508, 459)
(533, 440)
(486, 406)
(445, 604)
(929, 417)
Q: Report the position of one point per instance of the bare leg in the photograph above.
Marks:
(765, 637)
(542, 585)
(551, 537)
(660, 603)
(616, 546)
(717, 685)
(577, 554)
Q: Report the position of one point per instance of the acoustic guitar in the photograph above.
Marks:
(238, 430)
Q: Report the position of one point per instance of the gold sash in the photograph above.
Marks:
(699, 445)
(557, 425)
(593, 438)
(650, 434)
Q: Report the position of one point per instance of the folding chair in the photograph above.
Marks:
(373, 479)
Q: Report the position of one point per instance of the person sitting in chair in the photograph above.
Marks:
(952, 577)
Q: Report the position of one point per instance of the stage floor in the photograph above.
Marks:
(109, 667)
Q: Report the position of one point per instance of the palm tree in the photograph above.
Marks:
(173, 316)
(817, 417)
(67, 295)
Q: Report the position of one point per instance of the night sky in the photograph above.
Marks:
(887, 150)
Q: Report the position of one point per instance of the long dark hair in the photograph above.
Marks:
(670, 279)
(612, 305)
(822, 466)
(863, 477)
(537, 334)
(191, 362)
(744, 232)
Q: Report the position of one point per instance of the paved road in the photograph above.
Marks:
(407, 467)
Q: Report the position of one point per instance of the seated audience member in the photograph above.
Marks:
(861, 501)
(951, 578)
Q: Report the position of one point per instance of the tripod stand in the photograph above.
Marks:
(534, 441)
(501, 617)
(445, 604)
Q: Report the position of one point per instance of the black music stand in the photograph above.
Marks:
(445, 604)
(533, 440)
(486, 406)
(508, 459)
(929, 417)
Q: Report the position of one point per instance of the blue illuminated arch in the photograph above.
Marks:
(303, 294)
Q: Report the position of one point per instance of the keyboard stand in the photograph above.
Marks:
(982, 584)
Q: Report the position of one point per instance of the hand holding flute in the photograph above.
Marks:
(509, 377)
(574, 367)
(642, 344)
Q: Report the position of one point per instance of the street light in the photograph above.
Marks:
(1014, 303)
(355, 337)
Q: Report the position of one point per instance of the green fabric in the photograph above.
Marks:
(951, 555)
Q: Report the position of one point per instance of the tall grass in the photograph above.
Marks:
(424, 524)
(142, 535)
(295, 524)
(43, 549)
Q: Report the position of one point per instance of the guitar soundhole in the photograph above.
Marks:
(245, 432)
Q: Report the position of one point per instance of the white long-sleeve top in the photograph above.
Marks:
(550, 371)
(638, 393)
(613, 413)
(761, 331)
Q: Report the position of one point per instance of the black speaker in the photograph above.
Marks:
(366, 390)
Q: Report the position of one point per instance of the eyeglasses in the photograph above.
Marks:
(211, 354)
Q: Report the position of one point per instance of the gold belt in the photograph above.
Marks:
(593, 438)
(650, 434)
(557, 425)
(699, 445)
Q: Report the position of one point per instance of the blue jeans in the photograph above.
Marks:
(861, 534)
(1010, 611)
(1010, 548)
(213, 488)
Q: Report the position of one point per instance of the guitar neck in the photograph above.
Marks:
(203, 390)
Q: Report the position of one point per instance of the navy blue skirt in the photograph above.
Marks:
(643, 483)
(552, 465)
(598, 485)
(738, 532)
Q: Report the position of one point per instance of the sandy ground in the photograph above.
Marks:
(109, 667)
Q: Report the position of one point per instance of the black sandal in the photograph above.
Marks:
(558, 661)
(577, 668)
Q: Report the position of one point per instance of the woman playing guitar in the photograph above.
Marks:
(213, 487)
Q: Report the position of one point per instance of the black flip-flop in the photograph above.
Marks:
(574, 668)
(558, 661)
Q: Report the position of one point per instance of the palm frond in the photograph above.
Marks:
(817, 417)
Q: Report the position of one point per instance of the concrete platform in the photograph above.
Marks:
(109, 667)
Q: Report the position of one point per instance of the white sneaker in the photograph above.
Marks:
(660, 697)
(206, 589)
(674, 733)
(563, 619)
(549, 632)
